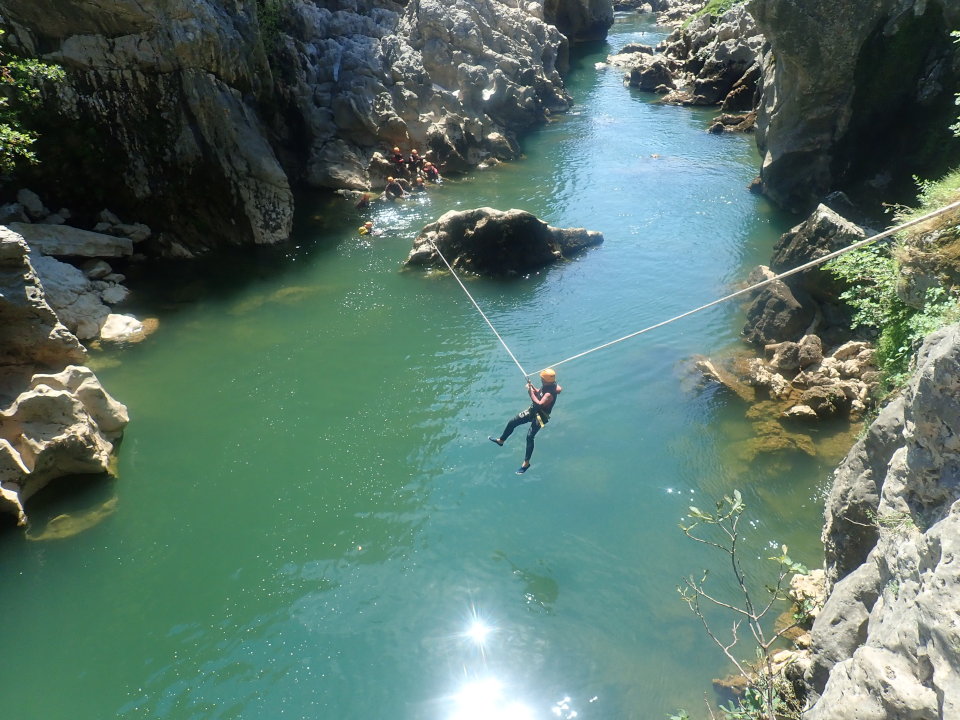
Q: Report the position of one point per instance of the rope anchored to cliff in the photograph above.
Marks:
(752, 288)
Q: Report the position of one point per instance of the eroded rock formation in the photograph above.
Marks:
(856, 94)
(885, 644)
(55, 418)
(494, 242)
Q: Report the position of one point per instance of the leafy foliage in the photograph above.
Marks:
(871, 274)
(719, 529)
(20, 82)
(269, 15)
(714, 8)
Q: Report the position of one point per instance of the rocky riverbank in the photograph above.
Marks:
(190, 110)
(55, 418)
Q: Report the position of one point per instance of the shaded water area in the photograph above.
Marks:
(308, 518)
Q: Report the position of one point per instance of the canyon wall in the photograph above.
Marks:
(886, 643)
(199, 118)
(857, 96)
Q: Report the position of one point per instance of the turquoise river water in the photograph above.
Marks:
(308, 520)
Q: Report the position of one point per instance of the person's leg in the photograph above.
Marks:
(531, 434)
(521, 418)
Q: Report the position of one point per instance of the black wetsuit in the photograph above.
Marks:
(536, 415)
(395, 189)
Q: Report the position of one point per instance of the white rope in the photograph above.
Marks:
(738, 293)
(457, 278)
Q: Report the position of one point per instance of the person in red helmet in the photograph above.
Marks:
(431, 172)
(538, 414)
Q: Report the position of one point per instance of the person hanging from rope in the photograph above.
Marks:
(538, 414)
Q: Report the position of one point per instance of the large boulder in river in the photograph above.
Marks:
(777, 313)
(66, 241)
(494, 242)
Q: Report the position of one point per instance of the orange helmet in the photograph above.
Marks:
(548, 375)
(389, 179)
(396, 149)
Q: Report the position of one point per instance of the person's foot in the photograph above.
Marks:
(523, 468)
(498, 441)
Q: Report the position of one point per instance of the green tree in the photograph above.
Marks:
(719, 529)
(20, 82)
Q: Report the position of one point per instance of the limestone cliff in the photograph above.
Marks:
(857, 95)
(55, 418)
(199, 117)
(886, 642)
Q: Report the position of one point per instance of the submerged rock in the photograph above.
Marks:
(496, 242)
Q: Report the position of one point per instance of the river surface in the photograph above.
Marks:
(308, 520)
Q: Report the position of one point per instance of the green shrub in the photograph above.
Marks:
(20, 82)
(871, 275)
(714, 8)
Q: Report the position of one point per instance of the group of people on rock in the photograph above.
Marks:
(411, 174)
(413, 166)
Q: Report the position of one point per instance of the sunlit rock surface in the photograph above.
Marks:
(885, 644)
(31, 335)
(55, 418)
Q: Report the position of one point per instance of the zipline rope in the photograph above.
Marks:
(457, 278)
(794, 271)
(725, 298)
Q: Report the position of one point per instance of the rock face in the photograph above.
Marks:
(31, 335)
(580, 20)
(885, 644)
(494, 242)
(211, 111)
(63, 424)
(53, 421)
(72, 242)
(710, 61)
(844, 79)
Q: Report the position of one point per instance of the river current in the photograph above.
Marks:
(308, 520)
